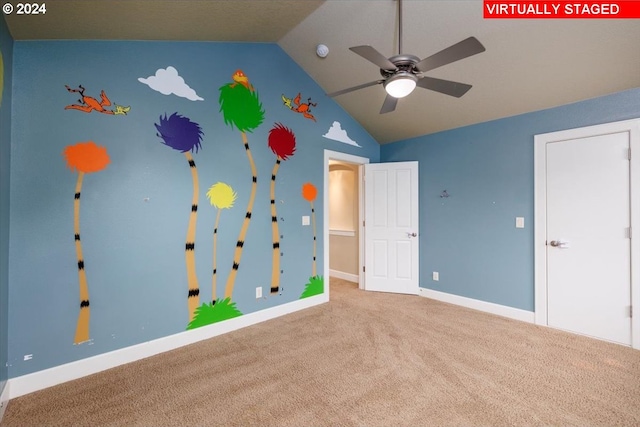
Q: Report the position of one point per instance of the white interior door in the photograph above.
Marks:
(588, 236)
(391, 227)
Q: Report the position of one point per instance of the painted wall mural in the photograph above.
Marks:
(87, 104)
(135, 224)
(241, 108)
(282, 142)
(296, 106)
(221, 196)
(239, 77)
(167, 81)
(83, 157)
(336, 133)
(185, 136)
(316, 282)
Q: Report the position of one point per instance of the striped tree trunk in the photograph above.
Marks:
(237, 255)
(215, 247)
(193, 297)
(275, 234)
(82, 326)
(313, 222)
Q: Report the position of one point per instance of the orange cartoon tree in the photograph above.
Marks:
(282, 142)
(309, 192)
(316, 282)
(83, 157)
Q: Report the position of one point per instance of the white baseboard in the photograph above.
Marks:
(4, 399)
(344, 276)
(488, 307)
(70, 371)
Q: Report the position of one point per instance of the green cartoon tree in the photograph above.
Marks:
(241, 108)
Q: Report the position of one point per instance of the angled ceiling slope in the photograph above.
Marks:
(528, 64)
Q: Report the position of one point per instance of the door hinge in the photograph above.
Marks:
(363, 223)
(363, 268)
(630, 311)
(629, 154)
(628, 232)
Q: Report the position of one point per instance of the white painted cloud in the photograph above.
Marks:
(336, 133)
(167, 82)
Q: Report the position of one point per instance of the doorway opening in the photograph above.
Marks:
(348, 226)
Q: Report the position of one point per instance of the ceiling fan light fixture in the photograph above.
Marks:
(401, 84)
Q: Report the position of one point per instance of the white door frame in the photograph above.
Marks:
(350, 158)
(540, 209)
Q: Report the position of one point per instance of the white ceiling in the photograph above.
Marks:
(528, 64)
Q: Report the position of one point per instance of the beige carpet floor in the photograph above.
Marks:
(363, 359)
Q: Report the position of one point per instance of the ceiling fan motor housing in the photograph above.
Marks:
(405, 63)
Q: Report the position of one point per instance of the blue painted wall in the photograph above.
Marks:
(470, 237)
(6, 50)
(134, 213)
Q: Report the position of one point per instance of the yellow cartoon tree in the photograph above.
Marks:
(83, 157)
(221, 196)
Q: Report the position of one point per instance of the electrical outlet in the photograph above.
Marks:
(436, 276)
(259, 292)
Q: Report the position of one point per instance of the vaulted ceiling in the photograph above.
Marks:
(528, 65)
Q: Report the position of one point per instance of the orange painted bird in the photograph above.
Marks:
(240, 77)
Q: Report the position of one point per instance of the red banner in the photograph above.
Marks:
(561, 9)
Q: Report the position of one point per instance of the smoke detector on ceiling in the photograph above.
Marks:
(322, 50)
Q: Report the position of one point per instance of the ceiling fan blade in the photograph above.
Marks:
(389, 104)
(372, 55)
(461, 50)
(447, 87)
(351, 89)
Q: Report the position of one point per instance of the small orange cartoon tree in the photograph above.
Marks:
(309, 192)
(84, 157)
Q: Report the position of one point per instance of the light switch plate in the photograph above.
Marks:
(519, 222)
(306, 220)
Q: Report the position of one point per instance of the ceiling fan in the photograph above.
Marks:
(402, 73)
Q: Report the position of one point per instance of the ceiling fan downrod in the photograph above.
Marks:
(399, 27)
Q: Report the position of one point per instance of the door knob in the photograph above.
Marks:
(412, 234)
(559, 244)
